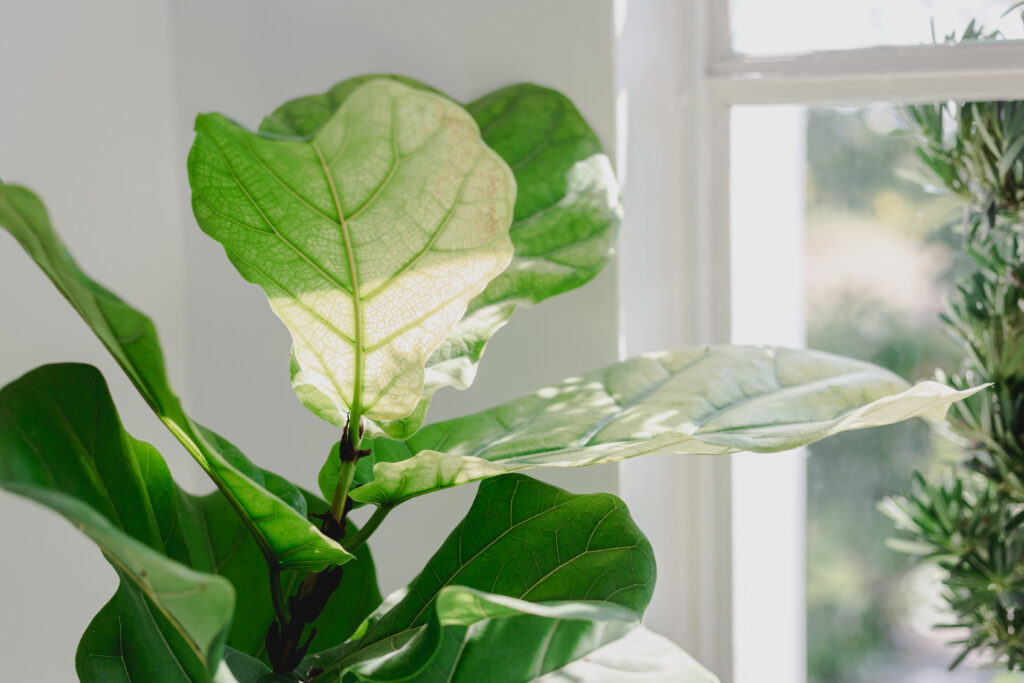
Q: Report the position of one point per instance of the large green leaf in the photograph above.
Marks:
(566, 214)
(707, 401)
(521, 539)
(61, 443)
(370, 237)
(476, 636)
(284, 534)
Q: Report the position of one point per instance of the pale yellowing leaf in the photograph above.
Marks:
(702, 401)
(369, 238)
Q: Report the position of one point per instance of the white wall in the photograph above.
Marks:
(86, 122)
(97, 114)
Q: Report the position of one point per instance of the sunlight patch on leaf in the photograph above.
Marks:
(370, 238)
(703, 401)
(567, 213)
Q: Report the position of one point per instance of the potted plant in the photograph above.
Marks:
(394, 231)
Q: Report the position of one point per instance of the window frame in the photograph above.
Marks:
(686, 503)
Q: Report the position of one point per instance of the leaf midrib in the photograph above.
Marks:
(87, 458)
(357, 305)
(779, 388)
(429, 245)
(266, 219)
(594, 430)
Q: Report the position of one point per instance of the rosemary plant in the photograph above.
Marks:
(971, 523)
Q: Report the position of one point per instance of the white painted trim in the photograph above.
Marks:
(920, 73)
(717, 26)
(984, 56)
(674, 285)
(706, 177)
(769, 178)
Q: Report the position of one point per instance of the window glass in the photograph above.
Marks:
(834, 244)
(787, 26)
(879, 255)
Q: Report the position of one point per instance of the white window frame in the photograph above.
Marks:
(685, 504)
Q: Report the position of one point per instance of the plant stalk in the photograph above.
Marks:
(285, 646)
(276, 596)
(367, 529)
(346, 473)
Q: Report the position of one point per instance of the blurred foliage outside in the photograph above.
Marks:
(878, 265)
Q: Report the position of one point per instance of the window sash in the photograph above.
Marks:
(989, 70)
(691, 518)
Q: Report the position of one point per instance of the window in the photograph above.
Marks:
(755, 121)
(788, 26)
(872, 254)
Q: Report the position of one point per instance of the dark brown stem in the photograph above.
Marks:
(285, 646)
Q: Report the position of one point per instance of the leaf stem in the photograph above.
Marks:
(348, 456)
(346, 473)
(367, 529)
(276, 596)
(284, 643)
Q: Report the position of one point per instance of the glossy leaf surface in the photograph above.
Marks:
(472, 635)
(285, 535)
(525, 540)
(61, 444)
(566, 215)
(702, 401)
(369, 238)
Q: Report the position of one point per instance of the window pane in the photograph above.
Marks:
(786, 26)
(831, 243)
(879, 256)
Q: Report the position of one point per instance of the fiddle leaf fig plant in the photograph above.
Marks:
(394, 231)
